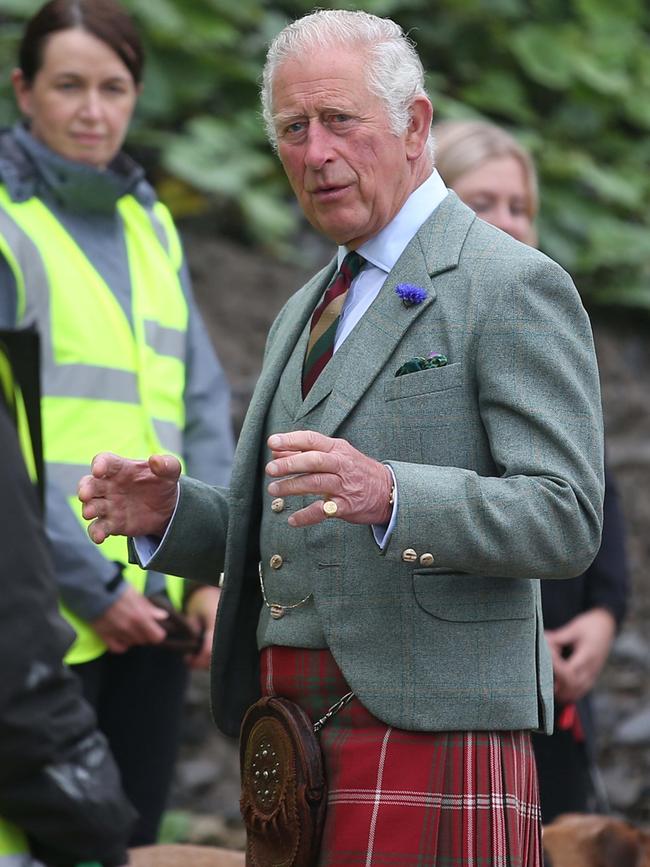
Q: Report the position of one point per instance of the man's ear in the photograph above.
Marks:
(22, 91)
(419, 127)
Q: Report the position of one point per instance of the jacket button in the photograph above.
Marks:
(426, 559)
(409, 555)
(277, 505)
(276, 561)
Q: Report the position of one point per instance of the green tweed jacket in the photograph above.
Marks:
(498, 461)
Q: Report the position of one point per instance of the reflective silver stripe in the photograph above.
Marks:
(159, 229)
(165, 341)
(37, 287)
(66, 477)
(24, 859)
(169, 434)
(89, 381)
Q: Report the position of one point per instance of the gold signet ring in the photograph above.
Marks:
(330, 508)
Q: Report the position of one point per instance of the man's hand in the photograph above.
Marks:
(129, 498)
(333, 470)
(202, 608)
(129, 621)
(588, 637)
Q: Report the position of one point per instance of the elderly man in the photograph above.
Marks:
(429, 418)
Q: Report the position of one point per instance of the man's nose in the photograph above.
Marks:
(319, 146)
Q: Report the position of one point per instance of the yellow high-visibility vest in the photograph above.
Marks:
(16, 405)
(14, 850)
(106, 385)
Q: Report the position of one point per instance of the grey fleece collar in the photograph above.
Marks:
(28, 167)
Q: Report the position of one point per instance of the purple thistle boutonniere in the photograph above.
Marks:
(410, 294)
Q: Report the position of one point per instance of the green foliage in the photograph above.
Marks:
(570, 77)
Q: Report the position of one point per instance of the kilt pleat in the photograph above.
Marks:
(400, 798)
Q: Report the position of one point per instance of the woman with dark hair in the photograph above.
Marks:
(92, 260)
(495, 175)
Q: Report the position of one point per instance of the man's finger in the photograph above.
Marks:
(308, 517)
(165, 466)
(98, 532)
(304, 462)
(306, 483)
(105, 465)
(301, 440)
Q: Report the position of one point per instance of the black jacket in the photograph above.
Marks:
(58, 781)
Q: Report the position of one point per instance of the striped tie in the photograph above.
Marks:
(325, 320)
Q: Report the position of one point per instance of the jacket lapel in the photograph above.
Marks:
(281, 346)
(434, 250)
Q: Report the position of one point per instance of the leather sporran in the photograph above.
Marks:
(284, 792)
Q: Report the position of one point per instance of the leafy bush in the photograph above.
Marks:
(570, 77)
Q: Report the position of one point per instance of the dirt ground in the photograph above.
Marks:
(240, 291)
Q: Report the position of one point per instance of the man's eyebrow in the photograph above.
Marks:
(284, 116)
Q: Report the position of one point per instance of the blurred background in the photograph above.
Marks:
(571, 79)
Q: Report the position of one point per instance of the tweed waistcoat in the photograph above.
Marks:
(290, 557)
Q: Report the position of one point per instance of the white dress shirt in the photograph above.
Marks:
(382, 252)
(384, 249)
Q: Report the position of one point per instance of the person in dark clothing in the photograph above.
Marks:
(61, 800)
(566, 761)
(496, 177)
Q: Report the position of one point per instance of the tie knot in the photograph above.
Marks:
(351, 266)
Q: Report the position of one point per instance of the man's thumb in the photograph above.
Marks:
(165, 467)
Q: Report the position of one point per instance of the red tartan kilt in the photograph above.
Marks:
(399, 798)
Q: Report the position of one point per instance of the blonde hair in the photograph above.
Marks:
(464, 145)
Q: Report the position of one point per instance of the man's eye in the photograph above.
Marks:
(291, 130)
(339, 118)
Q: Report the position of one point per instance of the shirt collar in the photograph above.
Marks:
(384, 249)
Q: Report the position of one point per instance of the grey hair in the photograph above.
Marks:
(394, 72)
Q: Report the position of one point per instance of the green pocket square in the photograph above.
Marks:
(413, 365)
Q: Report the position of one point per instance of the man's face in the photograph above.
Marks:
(350, 172)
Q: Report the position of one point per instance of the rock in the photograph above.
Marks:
(635, 730)
(631, 647)
(623, 788)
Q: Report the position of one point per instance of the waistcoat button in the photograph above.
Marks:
(276, 561)
(426, 559)
(409, 555)
(277, 505)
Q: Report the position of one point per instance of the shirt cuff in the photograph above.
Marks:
(146, 547)
(382, 532)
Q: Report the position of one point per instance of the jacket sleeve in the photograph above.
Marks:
(208, 443)
(532, 383)
(88, 583)
(58, 781)
(8, 295)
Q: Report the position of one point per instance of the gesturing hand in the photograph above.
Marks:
(129, 498)
(333, 470)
